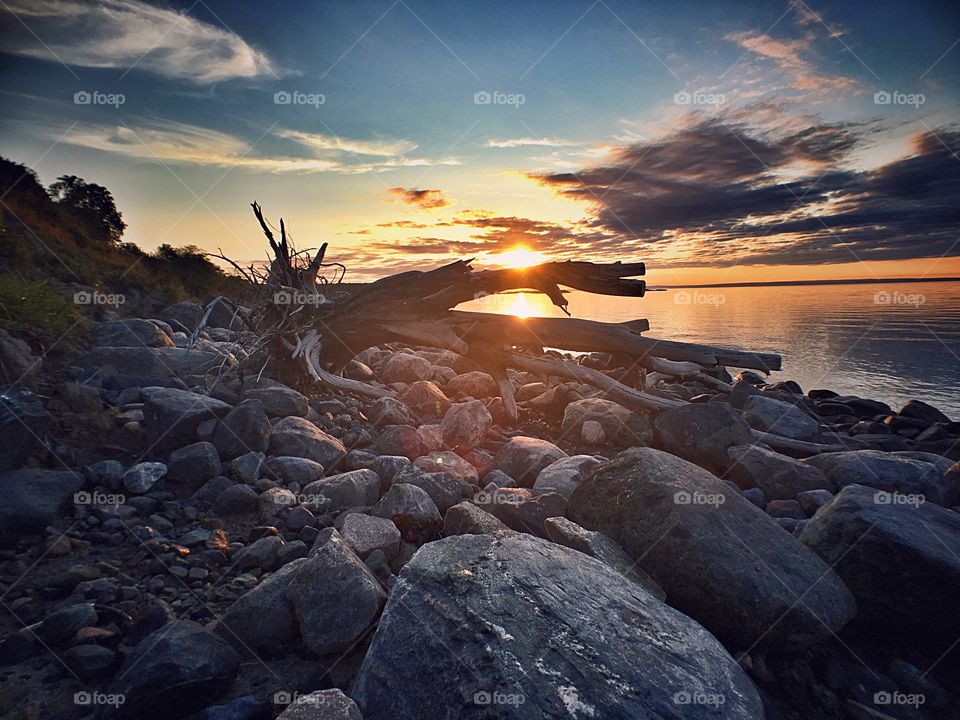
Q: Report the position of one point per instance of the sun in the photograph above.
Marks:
(519, 257)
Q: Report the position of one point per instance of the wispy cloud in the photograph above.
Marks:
(326, 143)
(126, 34)
(423, 199)
(528, 141)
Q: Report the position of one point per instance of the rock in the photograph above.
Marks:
(17, 361)
(592, 433)
(590, 643)
(245, 707)
(883, 471)
(702, 433)
(465, 518)
(143, 476)
(427, 399)
(89, 661)
(165, 362)
(279, 401)
(193, 465)
(23, 423)
(335, 597)
(274, 501)
(444, 489)
(597, 545)
(412, 511)
(171, 416)
(290, 470)
(785, 509)
(79, 398)
(30, 500)
(260, 554)
(346, 490)
(475, 384)
(365, 533)
(131, 332)
(522, 511)
(263, 619)
(387, 466)
(720, 559)
(618, 423)
(901, 560)
(564, 475)
(175, 671)
(522, 458)
(401, 440)
(246, 428)
(185, 314)
(301, 438)
(322, 705)
(780, 477)
(390, 411)
(237, 500)
(920, 410)
(62, 624)
(812, 500)
(780, 418)
(449, 464)
(465, 424)
(403, 367)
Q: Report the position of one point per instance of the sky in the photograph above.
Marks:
(716, 141)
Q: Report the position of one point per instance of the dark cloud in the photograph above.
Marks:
(728, 193)
(424, 199)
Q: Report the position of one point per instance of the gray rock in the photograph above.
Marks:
(465, 518)
(427, 399)
(901, 560)
(597, 545)
(919, 410)
(23, 422)
(260, 554)
(390, 411)
(346, 490)
(62, 624)
(246, 428)
(590, 642)
(412, 511)
(475, 384)
(403, 367)
(812, 500)
(299, 437)
(335, 597)
(366, 533)
(171, 416)
(279, 401)
(564, 475)
(176, 670)
(387, 466)
(465, 424)
(522, 511)
(131, 332)
(702, 433)
(719, 558)
(883, 471)
(193, 465)
(105, 472)
(89, 661)
(322, 705)
(780, 477)
(30, 500)
(449, 464)
(444, 489)
(618, 423)
(79, 398)
(247, 467)
(402, 440)
(184, 314)
(293, 470)
(522, 458)
(166, 362)
(779, 417)
(18, 365)
(237, 500)
(143, 476)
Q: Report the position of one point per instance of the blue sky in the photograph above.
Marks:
(712, 139)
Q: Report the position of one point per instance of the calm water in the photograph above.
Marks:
(886, 341)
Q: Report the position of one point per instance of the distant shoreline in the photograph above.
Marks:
(775, 283)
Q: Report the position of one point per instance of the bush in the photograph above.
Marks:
(35, 303)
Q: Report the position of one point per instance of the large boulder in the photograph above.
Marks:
(620, 425)
(31, 498)
(702, 433)
(884, 471)
(246, 428)
(175, 671)
(780, 477)
(335, 597)
(165, 362)
(23, 421)
(564, 475)
(720, 559)
(522, 458)
(403, 367)
(780, 418)
(184, 314)
(412, 511)
(346, 490)
(298, 437)
(172, 416)
(546, 633)
(131, 332)
(464, 424)
(900, 559)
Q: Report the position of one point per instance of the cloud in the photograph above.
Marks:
(724, 193)
(423, 199)
(527, 141)
(325, 143)
(128, 33)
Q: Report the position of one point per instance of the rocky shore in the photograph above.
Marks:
(181, 542)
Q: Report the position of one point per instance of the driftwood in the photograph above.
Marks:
(325, 323)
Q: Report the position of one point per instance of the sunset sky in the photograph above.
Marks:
(717, 141)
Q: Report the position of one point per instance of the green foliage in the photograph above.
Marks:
(35, 303)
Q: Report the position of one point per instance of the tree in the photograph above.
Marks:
(93, 204)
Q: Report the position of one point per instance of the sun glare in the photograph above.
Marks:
(519, 257)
